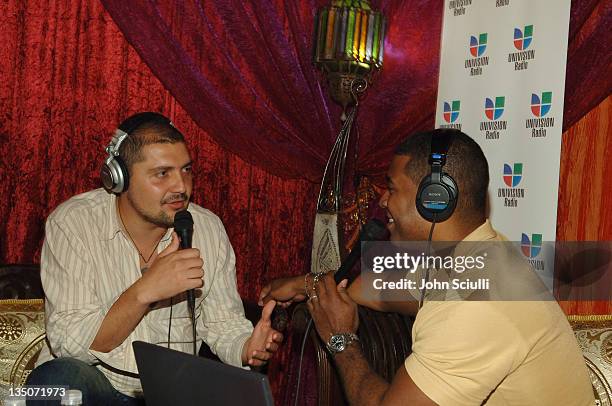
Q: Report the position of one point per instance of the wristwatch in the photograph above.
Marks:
(340, 341)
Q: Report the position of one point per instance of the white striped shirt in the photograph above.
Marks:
(87, 262)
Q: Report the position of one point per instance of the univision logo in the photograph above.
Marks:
(451, 111)
(512, 176)
(522, 41)
(493, 109)
(450, 114)
(531, 249)
(459, 6)
(540, 107)
(478, 46)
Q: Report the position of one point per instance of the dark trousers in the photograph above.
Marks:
(76, 374)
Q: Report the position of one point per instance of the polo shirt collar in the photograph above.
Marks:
(482, 233)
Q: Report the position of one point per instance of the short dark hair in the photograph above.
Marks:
(155, 129)
(465, 162)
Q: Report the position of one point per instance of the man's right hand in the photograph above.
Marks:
(284, 290)
(173, 271)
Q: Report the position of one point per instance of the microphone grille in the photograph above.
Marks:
(183, 220)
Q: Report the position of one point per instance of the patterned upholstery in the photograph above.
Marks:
(22, 323)
(22, 335)
(594, 335)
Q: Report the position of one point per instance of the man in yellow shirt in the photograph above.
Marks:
(464, 352)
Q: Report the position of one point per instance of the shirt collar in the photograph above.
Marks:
(112, 224)
(482, 233)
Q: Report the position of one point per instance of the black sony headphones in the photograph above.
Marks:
(114, 172)
(437, 195)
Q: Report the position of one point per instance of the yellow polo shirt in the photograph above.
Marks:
(497, 352)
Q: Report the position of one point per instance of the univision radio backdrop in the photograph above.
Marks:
(502, 81)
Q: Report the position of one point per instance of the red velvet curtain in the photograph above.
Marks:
(242, 70)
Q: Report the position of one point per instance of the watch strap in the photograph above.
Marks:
(350, 338)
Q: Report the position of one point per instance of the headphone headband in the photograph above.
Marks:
(113, 148)
(437, 194)
(440, 144)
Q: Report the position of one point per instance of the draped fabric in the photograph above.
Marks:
(251, 61)
(243, 71)
(585, 169)
(589, 60)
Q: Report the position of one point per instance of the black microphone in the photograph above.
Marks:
(373, 230)
(183, 225)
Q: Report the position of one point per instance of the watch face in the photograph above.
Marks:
(338, 342)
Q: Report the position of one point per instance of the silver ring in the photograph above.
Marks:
(314, 297)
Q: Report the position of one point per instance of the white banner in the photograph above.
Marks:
(502, 82)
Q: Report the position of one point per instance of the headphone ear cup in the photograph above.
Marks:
(115, 176)
(125, 175)
(423, 211)
(107, 177)
(453, 192)
(437, 200)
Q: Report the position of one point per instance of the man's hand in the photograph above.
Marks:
(332, 310)
(171, 273)
(283, 290)
(264, 341)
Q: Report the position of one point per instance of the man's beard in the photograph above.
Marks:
(161, 219)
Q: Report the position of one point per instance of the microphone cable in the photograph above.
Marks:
(193, 328)
(170, 321)
(297, 390)
(191, 306)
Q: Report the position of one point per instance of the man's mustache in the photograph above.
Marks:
(177, 197)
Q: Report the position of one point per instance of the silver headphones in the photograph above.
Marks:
(114, 172)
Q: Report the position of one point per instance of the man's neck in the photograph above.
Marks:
(456, 229)
(140, 230)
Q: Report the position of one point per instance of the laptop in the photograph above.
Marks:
(172, 377)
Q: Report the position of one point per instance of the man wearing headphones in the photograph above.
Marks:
(463, 352)
(113, 273)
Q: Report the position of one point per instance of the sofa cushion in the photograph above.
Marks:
(594, 335)
(22, 336)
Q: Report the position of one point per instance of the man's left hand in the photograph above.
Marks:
(332, 309)
(264, 341)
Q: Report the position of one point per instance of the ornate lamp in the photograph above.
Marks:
(348, 50)
(349, 45)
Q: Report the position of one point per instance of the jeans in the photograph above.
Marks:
(76, 374)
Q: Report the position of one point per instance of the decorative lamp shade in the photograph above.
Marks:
(349, 38)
